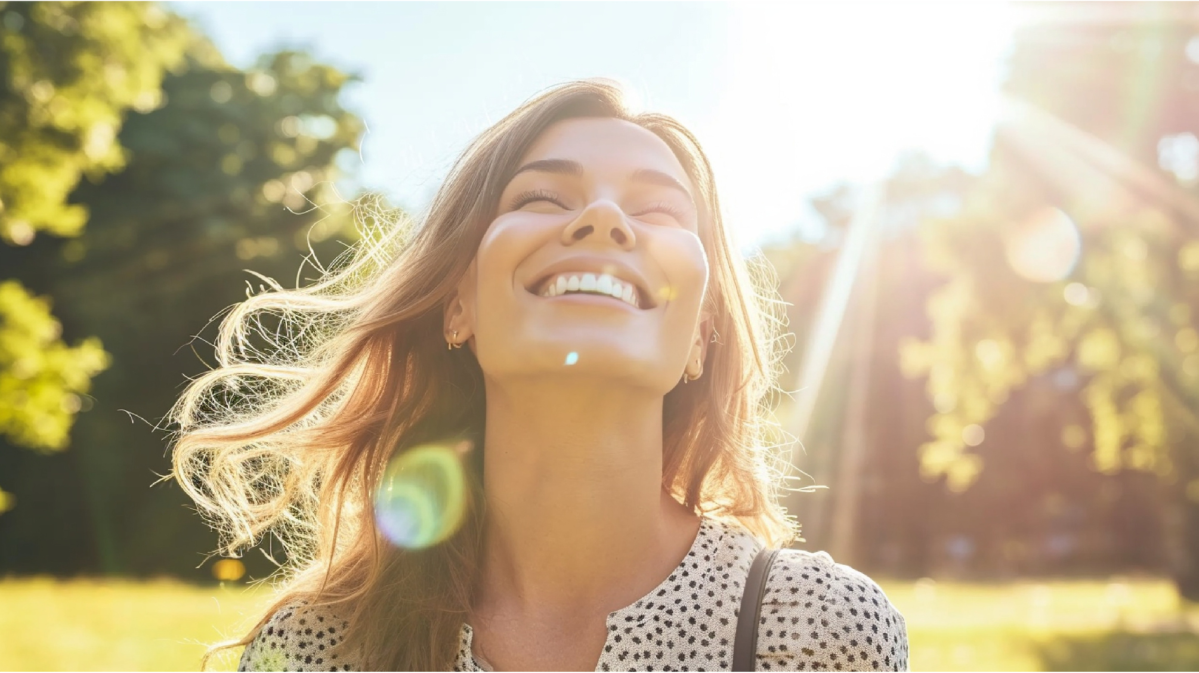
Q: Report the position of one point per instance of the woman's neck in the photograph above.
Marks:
(578, 519)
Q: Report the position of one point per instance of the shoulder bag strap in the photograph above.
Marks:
(746, 643)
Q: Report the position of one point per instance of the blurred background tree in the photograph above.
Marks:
(69, 73)
(1099, 156)
(1042, 313)
(224, 169)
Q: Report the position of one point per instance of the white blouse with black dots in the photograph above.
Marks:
(817, 615)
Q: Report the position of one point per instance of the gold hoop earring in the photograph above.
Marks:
(451, 345)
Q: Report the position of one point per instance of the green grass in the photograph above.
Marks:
(86, 625)
(1057, 626)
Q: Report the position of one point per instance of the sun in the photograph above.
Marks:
(814, 94)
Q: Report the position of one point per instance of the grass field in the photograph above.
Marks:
(1021, 626)
(81, 625)
(1138, 625)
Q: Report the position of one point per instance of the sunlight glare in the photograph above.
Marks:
(820, 92)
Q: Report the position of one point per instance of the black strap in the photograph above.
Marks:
(745, 646)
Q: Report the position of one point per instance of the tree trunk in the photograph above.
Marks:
(1182, 524)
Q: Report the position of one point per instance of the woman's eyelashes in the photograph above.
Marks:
(662, 207)
(526, 198)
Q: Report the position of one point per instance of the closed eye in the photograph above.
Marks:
(525, 198)
(662, 207)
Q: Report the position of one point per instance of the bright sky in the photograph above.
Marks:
(787, 98)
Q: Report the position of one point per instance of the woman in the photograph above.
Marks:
(573, 317)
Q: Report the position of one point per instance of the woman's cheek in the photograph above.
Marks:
(682, 258)
(508, 241)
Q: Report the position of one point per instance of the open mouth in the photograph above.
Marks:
(596, 284)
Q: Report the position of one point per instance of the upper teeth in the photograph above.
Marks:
(590, 282)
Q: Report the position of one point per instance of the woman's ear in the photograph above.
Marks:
(698, 355)
(458, 321)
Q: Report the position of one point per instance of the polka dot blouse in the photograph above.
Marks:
(817, 615)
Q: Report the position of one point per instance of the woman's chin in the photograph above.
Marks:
(587, 355)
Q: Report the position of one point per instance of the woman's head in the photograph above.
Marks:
(593, 265)
(293, 437)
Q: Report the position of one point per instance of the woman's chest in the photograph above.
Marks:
(572, 644)
(692, 631)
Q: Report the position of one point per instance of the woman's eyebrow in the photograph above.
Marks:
(650, 176)
(561, 166)
(574, 168)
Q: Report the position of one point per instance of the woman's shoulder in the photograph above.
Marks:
(299, 637)
(821, 615)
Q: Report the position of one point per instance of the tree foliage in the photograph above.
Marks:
(1120, 321)
(69, 72)
(41, 378)
(1083, 273)
(233, 169)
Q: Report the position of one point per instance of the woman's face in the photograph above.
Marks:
(593, 265)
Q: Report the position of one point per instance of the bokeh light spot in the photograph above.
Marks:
(1190, 366)
(991, 354)
(274, 191)
(19, 232)
(228, 570)
(973, 435)
(571, 358)
(221, 92)
(289, 127)
(1044, 247)
(945, 402)
(1076, 294)
(1192, 49)
(1188, 257)
(421, 500)
(1187, 340)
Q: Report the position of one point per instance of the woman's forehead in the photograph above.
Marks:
(606, 145)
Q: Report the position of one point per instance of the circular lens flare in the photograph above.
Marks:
(421, 500)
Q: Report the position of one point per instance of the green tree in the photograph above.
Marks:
(234, 170)
(69, 72)
(1076, 254)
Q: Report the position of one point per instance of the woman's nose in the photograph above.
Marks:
(602, 220)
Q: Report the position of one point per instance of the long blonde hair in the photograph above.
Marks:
(317, 388)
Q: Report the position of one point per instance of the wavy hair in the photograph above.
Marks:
(317, 388)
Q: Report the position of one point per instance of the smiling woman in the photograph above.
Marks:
(477, 443)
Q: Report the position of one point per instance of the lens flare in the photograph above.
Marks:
(1044, 247)
(571, 358)
(421, 500)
